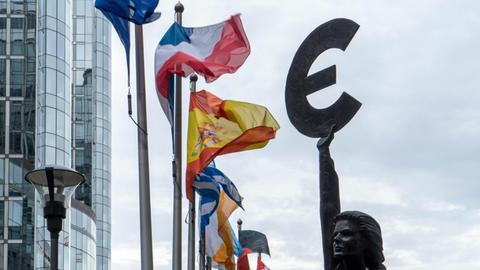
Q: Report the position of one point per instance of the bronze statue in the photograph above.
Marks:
(363, 248)
(357, 242)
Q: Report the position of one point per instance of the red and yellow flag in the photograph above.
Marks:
(217, 127)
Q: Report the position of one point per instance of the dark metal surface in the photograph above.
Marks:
(321, 123)
(54, 251)
(329, 197)
(356, 242)
(49, 175)
(308, 120)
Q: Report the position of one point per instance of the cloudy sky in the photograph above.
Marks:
(408, 158)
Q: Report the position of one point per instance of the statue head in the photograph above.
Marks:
(357, 237)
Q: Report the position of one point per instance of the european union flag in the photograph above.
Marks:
(121, 12)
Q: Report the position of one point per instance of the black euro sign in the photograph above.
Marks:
(308, 120)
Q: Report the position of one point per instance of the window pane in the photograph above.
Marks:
(61, 46)
(3, 36)
(51, 42)
(2, 186)
(2, 203)
(51, 80)
(3, 6)
(17, 36)
(15, 213)
(61, 10)
(20, 256)
(2, 126)
(51, 8)
(16, 124)
(30, 83)
(17, 6)
(2, 77)
(50, 121)
(17, 77)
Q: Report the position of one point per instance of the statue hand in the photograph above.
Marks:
(327, 140)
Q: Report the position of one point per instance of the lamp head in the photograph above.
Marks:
(55, 183)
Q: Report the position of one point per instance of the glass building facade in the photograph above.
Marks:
(82, 237)
(53, 113)
(92, 119)
(17, 132)
(54, 109)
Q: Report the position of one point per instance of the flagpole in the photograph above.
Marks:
(209, 263)
(143, 170)
(191, 216)
(239, 226)
(177, 164)
(201, 261)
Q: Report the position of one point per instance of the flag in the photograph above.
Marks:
(242, 262)
(120, 12)
(261, 265)
(211, 180)
(218, 199)
(256, 241)
(237, 248)
(210, 51)
(217, 127)
(209, 184)
(219, 243)
(136, 11)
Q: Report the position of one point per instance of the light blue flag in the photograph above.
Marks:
(214, 175)
(209, 184)
(238, 249)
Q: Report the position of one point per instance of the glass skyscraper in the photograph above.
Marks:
(91, 122)
(54, 109)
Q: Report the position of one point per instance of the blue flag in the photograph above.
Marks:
(216, 179)
(120, 12)
(209, 184)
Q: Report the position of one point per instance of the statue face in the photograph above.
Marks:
(346, 239)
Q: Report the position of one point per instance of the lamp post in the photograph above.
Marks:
(56, 185)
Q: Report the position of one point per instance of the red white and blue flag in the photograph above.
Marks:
(210, 51)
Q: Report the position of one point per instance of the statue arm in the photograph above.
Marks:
(329, 196)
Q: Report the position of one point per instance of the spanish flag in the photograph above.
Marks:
(217, 127)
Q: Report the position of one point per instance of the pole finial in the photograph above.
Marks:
(193, 82)
(239, 222)
(179, 8)
(193, 77)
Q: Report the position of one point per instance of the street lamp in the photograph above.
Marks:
(56, 185)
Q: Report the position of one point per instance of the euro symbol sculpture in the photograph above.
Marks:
(325, 122)
(308, 120)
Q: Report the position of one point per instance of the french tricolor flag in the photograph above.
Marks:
(209, 51)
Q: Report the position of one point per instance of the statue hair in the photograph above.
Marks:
(371, 239)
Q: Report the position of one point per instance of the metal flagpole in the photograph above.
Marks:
(177, 164)
(209, 263)
(239, 226)
(201, 261)
(191, 216)
(143, 170)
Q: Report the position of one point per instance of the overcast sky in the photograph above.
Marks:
(409, 157)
